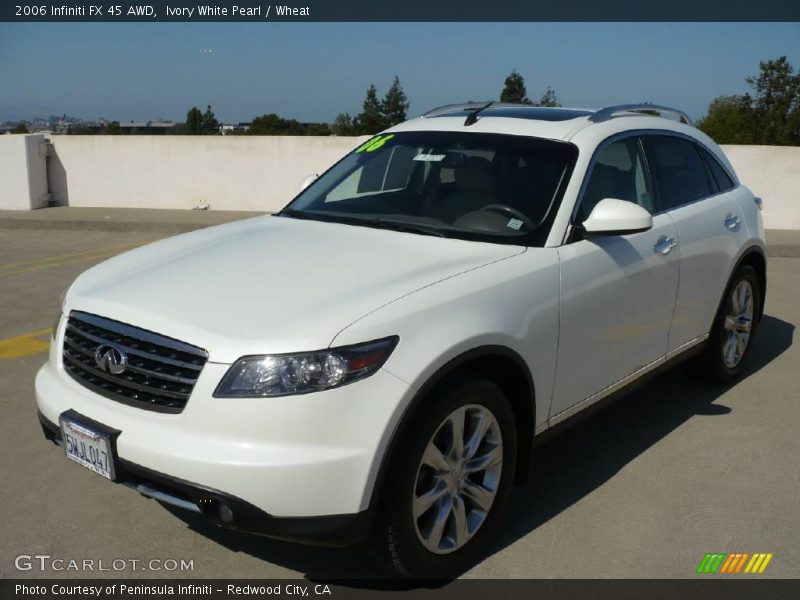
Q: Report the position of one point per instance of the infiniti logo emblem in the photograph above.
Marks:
(111, 358)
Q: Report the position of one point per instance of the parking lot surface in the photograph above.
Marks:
(643, 489)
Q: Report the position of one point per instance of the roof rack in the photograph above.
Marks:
(604, 114)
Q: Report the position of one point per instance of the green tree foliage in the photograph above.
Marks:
(272, 124)
(209, 124)
(771, 115)
(343, 125)
(514, 89)
(776, 105)
(113, 128)
(194, 122)
(729, 120)
(395, 104)
(199, 123)
(20, 128)
(317, 129)
(371, 119)
(548, 98)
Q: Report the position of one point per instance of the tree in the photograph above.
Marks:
(272, 124)
(771, 115)
(395, 104)
(371, 119)
(776, 105)
(316, 129)
(20, 128)
(729, 120)
(343, 125)
(548, 98)
(194, 122)
(514, 89)
(209, 124)
(113, 128)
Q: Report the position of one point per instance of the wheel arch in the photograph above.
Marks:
(499, 364)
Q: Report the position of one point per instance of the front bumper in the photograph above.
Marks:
(295, 467)
(228, 511)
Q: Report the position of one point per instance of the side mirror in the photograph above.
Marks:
(617, 217)
(308, 181)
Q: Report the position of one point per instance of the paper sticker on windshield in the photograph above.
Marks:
(374, 143)
(429, 157)
(514, 224)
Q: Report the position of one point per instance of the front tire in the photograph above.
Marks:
(448, 483)
(731, 337)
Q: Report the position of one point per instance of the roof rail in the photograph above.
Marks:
(604, 114)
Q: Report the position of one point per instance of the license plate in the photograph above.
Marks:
(88, 447)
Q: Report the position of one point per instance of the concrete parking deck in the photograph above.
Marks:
(643, 489)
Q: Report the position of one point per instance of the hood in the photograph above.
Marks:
(269, 284)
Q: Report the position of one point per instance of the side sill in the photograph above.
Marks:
(617, 389)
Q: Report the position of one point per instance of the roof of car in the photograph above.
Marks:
(558, 123)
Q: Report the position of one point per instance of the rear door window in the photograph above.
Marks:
(721, 177)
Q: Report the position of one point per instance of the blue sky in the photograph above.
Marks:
(314, 71)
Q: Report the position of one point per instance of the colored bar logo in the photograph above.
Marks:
(734, 563)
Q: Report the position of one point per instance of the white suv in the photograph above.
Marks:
(374, 361)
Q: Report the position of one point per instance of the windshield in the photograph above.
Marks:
(488, 187)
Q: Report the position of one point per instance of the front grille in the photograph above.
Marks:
(160, 372)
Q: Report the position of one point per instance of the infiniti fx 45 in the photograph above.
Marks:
(374, 361)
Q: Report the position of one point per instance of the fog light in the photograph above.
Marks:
(225, 513)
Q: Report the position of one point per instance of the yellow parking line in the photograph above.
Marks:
(63, 256)
(39, 267)
(23, 345)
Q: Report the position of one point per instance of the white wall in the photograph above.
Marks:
(261, 173)
(773, 173)
(23, 177)
(227, 172)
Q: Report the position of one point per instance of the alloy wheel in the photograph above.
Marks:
(738, 324)
(457, 479)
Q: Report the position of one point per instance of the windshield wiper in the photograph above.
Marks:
(376, 222)
(290, 212)
(407, 227)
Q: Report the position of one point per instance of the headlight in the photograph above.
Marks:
(286, 374)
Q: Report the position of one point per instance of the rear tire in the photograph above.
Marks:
(732, 335)
(431, 522)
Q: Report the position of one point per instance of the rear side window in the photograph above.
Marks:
(680, 172)
(721, 177)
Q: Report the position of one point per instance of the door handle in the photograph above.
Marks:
(731, 221)
(665, 244)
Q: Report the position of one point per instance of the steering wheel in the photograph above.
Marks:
(512, 212)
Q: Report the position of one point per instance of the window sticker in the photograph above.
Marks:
(514, 224)
(374, 143)
(429, 157)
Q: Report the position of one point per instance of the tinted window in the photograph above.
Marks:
(721, 177)
(680, 171)
(618, 172)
